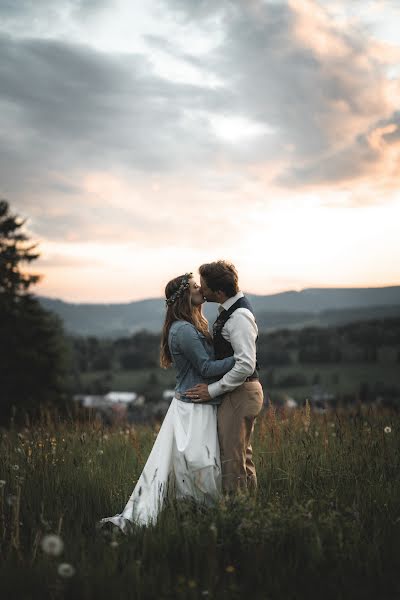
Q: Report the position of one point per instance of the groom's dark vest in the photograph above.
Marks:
(222, 348)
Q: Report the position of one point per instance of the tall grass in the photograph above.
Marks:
(325, 521)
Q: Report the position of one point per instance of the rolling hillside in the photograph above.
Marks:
(314, 306)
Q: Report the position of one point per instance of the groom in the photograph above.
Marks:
(234, 333)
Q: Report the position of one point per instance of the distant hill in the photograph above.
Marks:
(313, 306)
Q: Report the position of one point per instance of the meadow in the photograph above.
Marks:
(325, 520)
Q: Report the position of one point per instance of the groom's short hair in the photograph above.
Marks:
(221, 276)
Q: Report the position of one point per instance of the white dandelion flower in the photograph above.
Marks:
(52, 544)
(388, 429)
(65, 570)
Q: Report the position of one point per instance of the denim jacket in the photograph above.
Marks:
(193, 359)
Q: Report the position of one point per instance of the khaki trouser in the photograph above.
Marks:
(236, 418)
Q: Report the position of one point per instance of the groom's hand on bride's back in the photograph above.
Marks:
(198, 393)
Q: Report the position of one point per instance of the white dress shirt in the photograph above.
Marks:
(241, 331)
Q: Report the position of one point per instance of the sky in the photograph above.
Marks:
(140, 140)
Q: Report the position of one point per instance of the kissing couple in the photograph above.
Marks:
(203, 448)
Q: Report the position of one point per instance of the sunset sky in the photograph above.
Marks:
(141, 139)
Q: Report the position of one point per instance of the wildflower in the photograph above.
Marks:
(2, 483)
(65, 570)
(114, 544)
(191, 583)
(316, 433)
(388, 430)
(230, 569)
(15, 467)
(52, 544)
(100, 451)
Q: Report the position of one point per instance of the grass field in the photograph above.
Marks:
(325, 522)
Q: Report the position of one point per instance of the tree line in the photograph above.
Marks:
(370, 341)
(34, 352)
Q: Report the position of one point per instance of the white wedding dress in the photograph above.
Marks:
(184, 462)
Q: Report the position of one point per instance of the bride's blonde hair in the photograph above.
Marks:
(180, 308)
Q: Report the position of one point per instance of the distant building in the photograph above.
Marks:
(89, 400)
(125, 397)
(321, 399)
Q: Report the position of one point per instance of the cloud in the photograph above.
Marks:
(105, 108)
(321, 84)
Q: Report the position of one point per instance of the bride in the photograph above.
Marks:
(185, 458)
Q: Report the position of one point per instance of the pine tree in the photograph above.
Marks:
(13, 251)
(33, 349)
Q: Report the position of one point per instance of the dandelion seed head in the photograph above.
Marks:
(15, 467)
(52, 544)
(388, 429)
(65, 570)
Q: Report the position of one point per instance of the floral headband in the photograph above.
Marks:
(179, 292)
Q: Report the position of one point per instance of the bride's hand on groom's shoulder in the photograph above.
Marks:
(198, 393)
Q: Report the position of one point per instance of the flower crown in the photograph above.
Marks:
(179, 292)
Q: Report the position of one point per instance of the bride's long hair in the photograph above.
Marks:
(181, 309)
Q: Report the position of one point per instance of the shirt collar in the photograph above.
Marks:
(230, 302)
